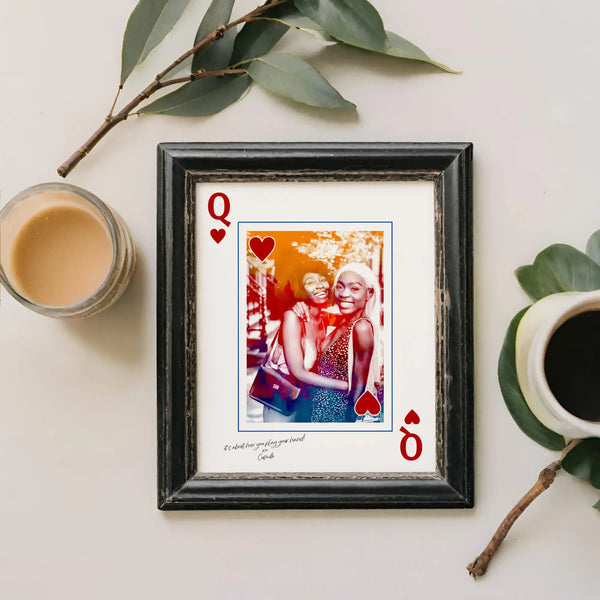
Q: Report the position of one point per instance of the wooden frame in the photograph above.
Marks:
(180, 167)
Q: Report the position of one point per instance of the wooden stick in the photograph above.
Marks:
(479, 566)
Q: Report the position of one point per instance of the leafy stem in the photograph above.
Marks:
(219, 32)
(202, 75)
(112, 120)
(479, 566)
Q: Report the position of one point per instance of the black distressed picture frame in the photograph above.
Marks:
(180, 167)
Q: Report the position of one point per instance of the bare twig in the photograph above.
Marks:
(112, 120)
(112, 108)
(545, 479)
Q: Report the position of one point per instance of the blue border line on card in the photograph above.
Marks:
(391, 429)
(391, 304)
(238, 324)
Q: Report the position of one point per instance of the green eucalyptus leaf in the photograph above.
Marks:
(597, 505)
(306, 25)
(513, 397)
(559, 268)
(217, 54)
(292, 77)
(201, 98)
(592, 248)
(402, 48)
(256, 38)
(147, 26)
(354, 22)
(583, 461)
(298, 20)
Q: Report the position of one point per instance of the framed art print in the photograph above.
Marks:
(314, 325)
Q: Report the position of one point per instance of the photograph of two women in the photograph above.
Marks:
(314, 326)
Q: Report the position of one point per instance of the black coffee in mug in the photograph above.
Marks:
(572, 365)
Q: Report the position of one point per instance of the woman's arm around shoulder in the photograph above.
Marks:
(294, 356)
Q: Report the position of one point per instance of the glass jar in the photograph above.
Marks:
(41, 206)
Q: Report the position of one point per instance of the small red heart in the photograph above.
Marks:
(217, 234)
(262, 248)
(412, 418)
(367, 403)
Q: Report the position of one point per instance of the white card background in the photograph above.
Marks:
(296, 447)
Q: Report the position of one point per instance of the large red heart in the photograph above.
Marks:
(412, 418)
(367, 403)
(262, 248)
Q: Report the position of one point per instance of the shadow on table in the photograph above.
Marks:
(119, 331)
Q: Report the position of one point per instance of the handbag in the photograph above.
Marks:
(271, 388)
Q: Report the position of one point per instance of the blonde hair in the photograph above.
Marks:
(373, 313)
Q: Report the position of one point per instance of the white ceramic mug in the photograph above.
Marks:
(533, 335)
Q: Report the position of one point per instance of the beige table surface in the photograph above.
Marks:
(78, 517)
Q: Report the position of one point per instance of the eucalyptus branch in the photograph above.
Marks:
(220, 32)
(545, 479)
(112, 120)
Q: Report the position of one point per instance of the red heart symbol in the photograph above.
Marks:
(217, 234)
(412, 418)
(262, 247)
(367, 403)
